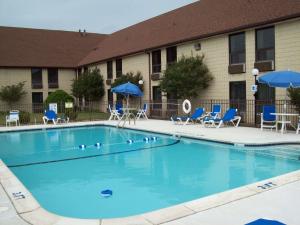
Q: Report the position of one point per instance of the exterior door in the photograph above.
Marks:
(157, 100)
(237, 94)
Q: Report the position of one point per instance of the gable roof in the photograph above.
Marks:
(198, 20)
(23, 47)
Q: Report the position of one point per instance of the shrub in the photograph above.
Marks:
(59, 97)
(12, 93)
(24, 117)
(71, 114)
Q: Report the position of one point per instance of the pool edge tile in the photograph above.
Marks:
(131, 220)
(219, 199)
(167, 214)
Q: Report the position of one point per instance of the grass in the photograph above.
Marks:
(36, 118)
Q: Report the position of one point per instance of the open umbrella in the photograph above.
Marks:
(128, 89)
(281, 79)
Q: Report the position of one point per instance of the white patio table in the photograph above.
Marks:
(282, 118)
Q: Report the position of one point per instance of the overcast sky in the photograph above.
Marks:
(93, 15)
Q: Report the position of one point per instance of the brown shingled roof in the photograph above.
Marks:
(201, 19)
(23, 47)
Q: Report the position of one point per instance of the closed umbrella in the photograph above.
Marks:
(281, 79)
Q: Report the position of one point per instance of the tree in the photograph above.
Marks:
(129, 77)
(186, 78)
(294, 95)
(89, 85)
(12, 93)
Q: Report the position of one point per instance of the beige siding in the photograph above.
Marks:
(287, 51)
(11, 76)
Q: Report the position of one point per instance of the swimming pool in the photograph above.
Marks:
(143, 176)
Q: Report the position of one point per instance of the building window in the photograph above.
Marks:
(36, 78)
(171, 55)
(37, 102)
(119, 67)
(237, 48)
(265, 44)
(156, 61)
(109, 70)
(53, 78)
(85, 69)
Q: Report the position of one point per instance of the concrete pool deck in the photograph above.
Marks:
(279, 199)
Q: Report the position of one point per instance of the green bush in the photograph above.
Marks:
(59, 97)
(24, 117)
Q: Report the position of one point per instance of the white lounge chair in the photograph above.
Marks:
(142, 112)
(13, 117)
(298, 127)
(114, 113)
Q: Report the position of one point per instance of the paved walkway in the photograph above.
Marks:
(281, 203)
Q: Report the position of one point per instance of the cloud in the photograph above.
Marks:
(92, 15)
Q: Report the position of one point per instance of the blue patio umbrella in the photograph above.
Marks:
(281, 79)
(128, 89)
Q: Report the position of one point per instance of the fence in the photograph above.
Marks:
(249, 110)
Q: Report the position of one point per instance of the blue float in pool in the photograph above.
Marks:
(129, 141)
(82, 147)
(146, 139)
(98, 145)
(106, 193)
(154, 138)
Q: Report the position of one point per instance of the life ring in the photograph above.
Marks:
(186, 106)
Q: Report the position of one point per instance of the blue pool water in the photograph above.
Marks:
(143, 176)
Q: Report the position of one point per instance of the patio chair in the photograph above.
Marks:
(114, 114)
(216, 111)
(142, 112)
(197, 115)
(50, 115)
(298, 127)
(229, 116)
(268, 120)
(63, 118)
(13, 117)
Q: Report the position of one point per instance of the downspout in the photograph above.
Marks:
(149, 65)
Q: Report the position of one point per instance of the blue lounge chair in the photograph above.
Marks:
(216, 111)
(197, 115)
(229, 116)
(50, 115)
(119, 108)
(267, 119)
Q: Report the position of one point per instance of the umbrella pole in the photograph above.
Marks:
(285, 99)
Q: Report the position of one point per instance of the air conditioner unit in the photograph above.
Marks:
(266, 65)
(237, 68)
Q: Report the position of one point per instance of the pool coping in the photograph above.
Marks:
(28, 208)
